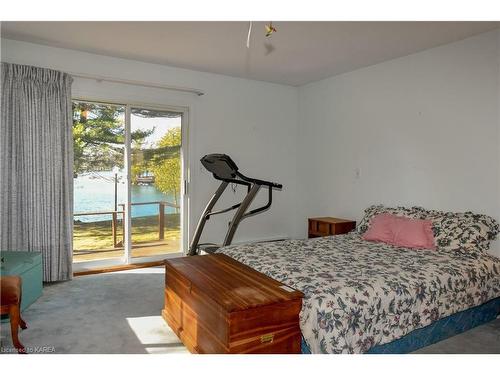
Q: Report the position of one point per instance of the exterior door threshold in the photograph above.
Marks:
(126, 267)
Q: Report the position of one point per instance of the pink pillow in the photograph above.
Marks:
(381, 228)
(401, 231)
(414, 233)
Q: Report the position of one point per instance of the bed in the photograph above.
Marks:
(360, 296)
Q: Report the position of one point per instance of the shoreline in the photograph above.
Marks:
(134, 218)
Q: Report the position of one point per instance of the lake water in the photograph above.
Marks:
(96, 192)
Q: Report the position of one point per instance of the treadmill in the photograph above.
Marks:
(224, 169)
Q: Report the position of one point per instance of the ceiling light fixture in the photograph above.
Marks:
(270, 29)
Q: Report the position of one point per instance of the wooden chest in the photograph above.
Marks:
(216, 304)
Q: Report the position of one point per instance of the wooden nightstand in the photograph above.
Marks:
(329, 226)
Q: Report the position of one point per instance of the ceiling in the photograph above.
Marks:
(298, 53)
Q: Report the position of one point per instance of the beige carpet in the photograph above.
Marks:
(106, 313)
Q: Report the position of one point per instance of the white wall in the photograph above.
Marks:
(254, 122)
(421, 130)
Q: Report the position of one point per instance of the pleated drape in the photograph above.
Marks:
(36, 166)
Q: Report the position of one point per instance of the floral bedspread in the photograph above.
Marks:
(359, 294)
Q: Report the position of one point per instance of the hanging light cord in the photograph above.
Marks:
(249, 33)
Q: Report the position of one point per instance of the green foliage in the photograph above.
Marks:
(99, 136)
(166, 165)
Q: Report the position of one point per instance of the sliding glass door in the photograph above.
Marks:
(156, 182)
(99, 145)
(128, 183)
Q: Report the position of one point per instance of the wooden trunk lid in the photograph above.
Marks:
(231, 284)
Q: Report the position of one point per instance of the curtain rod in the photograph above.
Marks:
(138, 83)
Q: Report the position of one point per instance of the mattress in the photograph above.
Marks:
(361, 294)
(440, 330)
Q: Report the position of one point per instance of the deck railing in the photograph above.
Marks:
(114, 223)
(114, 219)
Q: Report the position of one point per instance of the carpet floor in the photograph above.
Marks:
(105, 313)
(120, 313)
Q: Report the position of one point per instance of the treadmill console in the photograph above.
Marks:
(221, 165)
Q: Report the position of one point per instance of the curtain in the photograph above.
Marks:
(36, 166)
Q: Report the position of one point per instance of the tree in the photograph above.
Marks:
(165, 164)
(99, 136)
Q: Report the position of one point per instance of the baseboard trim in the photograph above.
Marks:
(259, 240)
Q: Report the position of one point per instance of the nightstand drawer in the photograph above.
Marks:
(324, 228)
(319, 228)
(329, 226)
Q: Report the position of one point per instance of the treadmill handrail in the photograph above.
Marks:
(233, 181)
(223, 210)
(248, 181)
(259, 182)
(262, 208)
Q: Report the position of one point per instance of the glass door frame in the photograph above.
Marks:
(127, 258)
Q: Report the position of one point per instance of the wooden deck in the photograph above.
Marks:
(143, 249)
